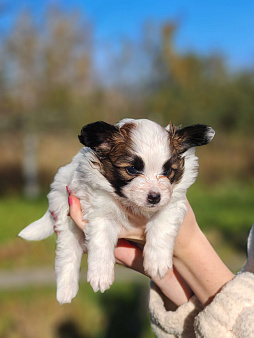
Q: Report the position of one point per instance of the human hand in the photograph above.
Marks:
(126, 253)
(130, 254)
(197, 267)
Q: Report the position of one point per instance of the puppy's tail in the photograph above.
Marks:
(40, 229)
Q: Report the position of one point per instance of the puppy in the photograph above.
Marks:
(135, 167)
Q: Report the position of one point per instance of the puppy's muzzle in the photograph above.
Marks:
(153, 197)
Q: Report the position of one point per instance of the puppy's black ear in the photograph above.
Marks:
(192, 136)
(97, 135)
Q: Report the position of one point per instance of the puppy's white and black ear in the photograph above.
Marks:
(97, 135)
(190, 137)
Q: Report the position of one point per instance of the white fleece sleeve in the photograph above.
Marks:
(231, 313)
(178, 323)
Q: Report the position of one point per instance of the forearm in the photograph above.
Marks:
(174, 289)
(197, 263)
(204, 271)
(198, 268)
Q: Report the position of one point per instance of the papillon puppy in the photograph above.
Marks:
(135, 167)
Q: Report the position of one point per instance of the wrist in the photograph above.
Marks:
(173, 287)
(201, 267)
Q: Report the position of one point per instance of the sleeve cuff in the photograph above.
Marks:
(178, 323)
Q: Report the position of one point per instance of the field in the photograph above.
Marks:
(32, 311)
(56, 75)
(224, 213)
(222, 199)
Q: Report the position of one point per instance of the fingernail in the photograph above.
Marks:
(68, 190)
(69, 201)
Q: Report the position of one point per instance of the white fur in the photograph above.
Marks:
(100, 207)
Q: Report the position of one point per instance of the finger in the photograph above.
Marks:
(75, 212)
(129, 255)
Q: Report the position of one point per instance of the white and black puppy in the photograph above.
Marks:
(135, 165)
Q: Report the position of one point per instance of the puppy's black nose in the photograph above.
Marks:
(154, 197)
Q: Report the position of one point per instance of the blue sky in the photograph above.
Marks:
(205, 26)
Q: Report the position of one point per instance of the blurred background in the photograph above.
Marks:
(64, 64)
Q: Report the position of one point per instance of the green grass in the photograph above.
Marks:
(225, 213)
(17, 212)
(34, 312)
(227, 208)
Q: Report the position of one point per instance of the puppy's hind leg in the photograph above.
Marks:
(67, 263)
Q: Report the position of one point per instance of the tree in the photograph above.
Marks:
(47, 69)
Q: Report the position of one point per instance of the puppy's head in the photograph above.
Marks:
(142, 160)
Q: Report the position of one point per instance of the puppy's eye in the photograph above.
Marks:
(132, 170)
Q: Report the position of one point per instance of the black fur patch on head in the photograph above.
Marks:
(116, 177)
(138, 163)
(113, 147)
(119, 157)
(174, 169)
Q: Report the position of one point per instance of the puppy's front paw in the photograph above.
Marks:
(100, 280)
(156, 265)
(66, 291)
